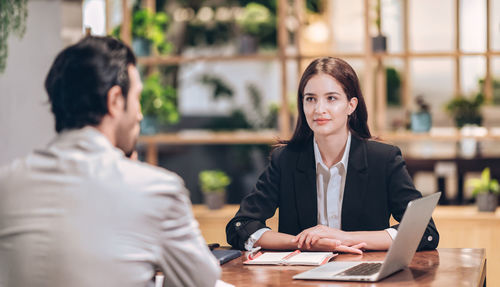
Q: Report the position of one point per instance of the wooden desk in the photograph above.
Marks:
(458, 226)
(442, 267)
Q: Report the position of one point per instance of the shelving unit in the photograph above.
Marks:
(373, 84)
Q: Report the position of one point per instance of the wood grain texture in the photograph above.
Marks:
(442, 267)
(458, 226)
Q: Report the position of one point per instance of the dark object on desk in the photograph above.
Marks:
(226, 255)
(212, 246)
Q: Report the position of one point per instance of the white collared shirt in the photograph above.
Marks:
(330, 183)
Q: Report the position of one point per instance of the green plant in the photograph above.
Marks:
(393, 86)
(13, 14)
(466, 110)
(151, 27)
(484, 184)
(221, 89)
(496, 89)
(314, 6)
(159, 100)
(213, 181)
(256, 20)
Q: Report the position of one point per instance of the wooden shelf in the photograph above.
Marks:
(373, 80)
(397, 55)
(405, 136)
(175, 60)
(207, 137)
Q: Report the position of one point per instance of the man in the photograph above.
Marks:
(79, 212)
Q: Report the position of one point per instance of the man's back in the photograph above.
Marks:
(80, 214)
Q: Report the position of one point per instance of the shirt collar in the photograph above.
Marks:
(345, 157)
(87, 139)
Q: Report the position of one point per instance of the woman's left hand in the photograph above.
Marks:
(310, 236)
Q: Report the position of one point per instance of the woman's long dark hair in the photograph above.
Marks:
(345, 75)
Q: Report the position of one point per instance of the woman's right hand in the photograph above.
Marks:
(327, 244)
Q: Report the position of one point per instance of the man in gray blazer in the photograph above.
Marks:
(79, 212)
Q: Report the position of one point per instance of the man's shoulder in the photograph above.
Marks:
(8, 170)
(143, 172)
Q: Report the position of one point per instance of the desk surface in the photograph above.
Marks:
(441, 267)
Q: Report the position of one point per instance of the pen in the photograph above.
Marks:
(251, 254)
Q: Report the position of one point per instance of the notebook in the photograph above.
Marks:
(291, 258)
(410, 231)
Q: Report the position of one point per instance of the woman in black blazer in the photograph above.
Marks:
(335, 188)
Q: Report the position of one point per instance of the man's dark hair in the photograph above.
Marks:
(80, 78)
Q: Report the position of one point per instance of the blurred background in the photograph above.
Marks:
(221, 77)
(220, 83)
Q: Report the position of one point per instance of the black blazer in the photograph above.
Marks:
(377, 186)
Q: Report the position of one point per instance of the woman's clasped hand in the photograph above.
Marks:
(321, 237)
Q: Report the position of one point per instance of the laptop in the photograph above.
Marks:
(410, 231)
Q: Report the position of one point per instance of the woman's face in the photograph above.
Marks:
(326, 106)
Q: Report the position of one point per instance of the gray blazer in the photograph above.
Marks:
(79, 213)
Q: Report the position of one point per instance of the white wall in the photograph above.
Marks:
(25, 119)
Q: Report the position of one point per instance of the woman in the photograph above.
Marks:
(335, 188)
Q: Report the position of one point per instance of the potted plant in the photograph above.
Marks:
(13, 16)
(393, 87)
(213, 185)
(256, 22)
(421, 120)
(466, 110)
(148, 32)
(158, 103)
(486, 191)
(379, 42)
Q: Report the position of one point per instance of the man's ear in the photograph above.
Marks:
(116, 101)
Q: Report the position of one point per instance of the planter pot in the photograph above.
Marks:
(461, 121)
(248, 44)
(468, 147)
(487, 202)
(141, 47)
(379, 44)
(214, 200)
(149, 125)
(421, 122)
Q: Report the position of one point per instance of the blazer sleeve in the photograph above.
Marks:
(184, 256)
(259, 205)
(402, 191)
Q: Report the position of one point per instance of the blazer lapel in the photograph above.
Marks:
(355, 184)
(305, 187)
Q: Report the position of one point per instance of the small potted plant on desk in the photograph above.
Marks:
(213, 185)
(485, 190)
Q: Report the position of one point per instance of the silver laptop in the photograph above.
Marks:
(410, 231)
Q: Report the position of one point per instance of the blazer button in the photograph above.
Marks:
(429, 238)
(238, 224)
